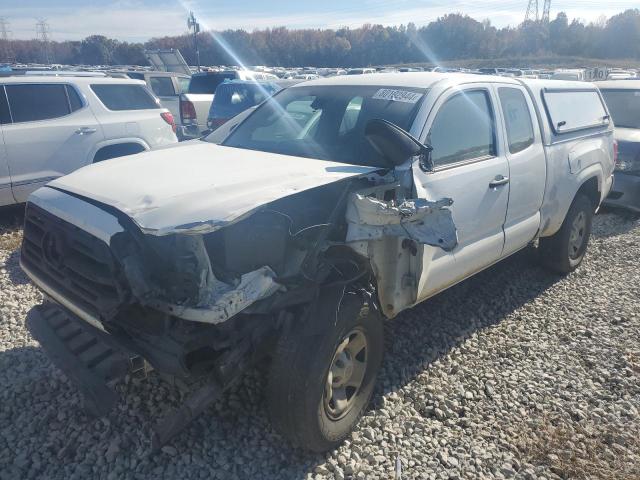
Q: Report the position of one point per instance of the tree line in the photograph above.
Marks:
(451, 37)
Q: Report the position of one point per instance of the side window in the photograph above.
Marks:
(116, 96)
(5, 114)
(162, 86)
(517, 118)
(31, 102)
(463, 129)
(351, 114)
(74, 99)
(572, 110)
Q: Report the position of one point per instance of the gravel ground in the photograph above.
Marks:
(515, 373)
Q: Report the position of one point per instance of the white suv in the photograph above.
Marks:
(51, 126)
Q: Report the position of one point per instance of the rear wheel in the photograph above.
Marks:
(564, 251)
(320, 383)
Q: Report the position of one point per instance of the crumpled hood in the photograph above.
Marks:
(199, 187)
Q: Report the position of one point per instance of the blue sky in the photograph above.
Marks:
(138, 20)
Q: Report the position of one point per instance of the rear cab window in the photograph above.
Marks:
(162, 86)
(183, 84)
(574, 110)
(232, 98)
(517, 119)
(120, 97)
(207, 84)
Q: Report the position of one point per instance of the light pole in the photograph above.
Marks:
(193, 24)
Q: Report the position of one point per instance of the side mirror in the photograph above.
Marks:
(396, 145)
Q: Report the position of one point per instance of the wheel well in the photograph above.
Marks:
(117, 150)
(591, 191)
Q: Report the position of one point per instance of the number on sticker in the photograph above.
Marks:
(397, 95)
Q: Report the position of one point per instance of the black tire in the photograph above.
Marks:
(300, 369)
(560, 252)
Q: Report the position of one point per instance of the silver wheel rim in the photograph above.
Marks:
(576, 237)
(346, 374)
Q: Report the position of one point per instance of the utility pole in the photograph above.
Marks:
(532, 12)
(5, 52)
(195, 26)
(43, 33)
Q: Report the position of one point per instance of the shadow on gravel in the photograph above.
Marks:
(419, 337)
(15, 273)
(611, 222)
(11, 216)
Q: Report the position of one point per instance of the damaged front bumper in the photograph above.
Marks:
(87, 355)
(94, 361)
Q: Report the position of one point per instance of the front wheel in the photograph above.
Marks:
(320, 383)
(564, 251)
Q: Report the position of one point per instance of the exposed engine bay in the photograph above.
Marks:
(207, 304)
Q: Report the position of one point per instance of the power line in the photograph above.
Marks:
(545, 11)
(532, 11)
(6, 52)
(43, 33)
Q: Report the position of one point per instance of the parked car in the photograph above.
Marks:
(196, 102)
(167, 86)
(489, 71)
(360, 71)
(621, 74)
(576, 74)
(623, 100)
(306, 76)
(332, 206)
(51, 126)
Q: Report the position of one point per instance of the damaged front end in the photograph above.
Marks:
(203, 304)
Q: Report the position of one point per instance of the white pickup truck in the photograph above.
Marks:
(334, 205)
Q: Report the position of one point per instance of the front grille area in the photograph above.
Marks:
(77, 265)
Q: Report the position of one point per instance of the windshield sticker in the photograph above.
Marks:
(397, 95)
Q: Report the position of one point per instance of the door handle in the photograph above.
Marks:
(499, 181)
(85, 131)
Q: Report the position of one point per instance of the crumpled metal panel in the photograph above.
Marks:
(424, 221)
(223, 301)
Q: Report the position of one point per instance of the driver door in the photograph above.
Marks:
(471, 168)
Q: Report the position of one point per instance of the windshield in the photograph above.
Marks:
(624, 106)
(326, 122)
(209, 82)
(233, 98)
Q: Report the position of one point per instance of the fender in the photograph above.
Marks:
(559, 199)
